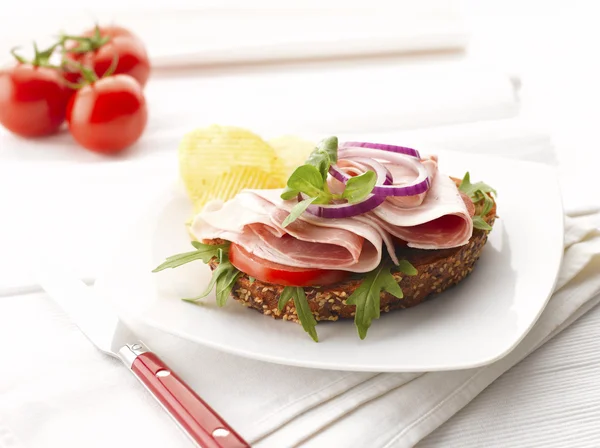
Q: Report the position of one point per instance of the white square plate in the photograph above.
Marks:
(473, 324)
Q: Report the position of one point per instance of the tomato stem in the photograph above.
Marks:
(19, 58)
(85, 44)
(73, 85)
(113, 66)
(87, 73)
(40, 58)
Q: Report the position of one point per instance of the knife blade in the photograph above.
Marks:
(101, 325)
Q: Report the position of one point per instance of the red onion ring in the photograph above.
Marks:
(333, 211)
(420, 185)
(382, 147)
(384, 177)
(367, 157)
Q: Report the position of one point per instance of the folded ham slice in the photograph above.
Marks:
(441, 221)
(253, 220)
(403, 176)
(437, 219)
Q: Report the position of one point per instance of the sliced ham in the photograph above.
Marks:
(437, 219)
(385, 236)
(403, 176)
(442, 221)
(253, 220)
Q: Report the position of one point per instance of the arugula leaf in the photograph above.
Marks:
(405, 267)
(223, 278)
(359, 187)
(479, 223)
(289, 193)
(367, 297)
(251, 279)
(307, 179)
(297, 210)
(470, 189)
(225, 284)
(329, 145)
(213, 280)
(305, 315)
(203, 252)
(320, 162)
(200, 246)
(488, 203)
(311, 177)
(285, 296)
(478, 192)
(324, 155)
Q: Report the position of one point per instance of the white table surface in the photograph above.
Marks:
(553, 397)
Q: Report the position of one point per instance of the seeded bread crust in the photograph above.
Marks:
(437, 270)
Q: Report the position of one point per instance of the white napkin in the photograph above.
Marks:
(59, 391)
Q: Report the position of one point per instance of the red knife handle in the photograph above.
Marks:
(196, 417)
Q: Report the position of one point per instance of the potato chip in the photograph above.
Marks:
(219, 161)
(292, 151)
(231, 182)
(216, 148)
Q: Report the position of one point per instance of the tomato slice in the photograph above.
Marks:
(269, 272)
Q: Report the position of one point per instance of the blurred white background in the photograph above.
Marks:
(505, 77)
(477, 76)
(550, 45)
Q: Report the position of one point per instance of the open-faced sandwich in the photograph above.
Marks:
(359, 229)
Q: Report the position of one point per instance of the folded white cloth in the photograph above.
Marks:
(59, 391)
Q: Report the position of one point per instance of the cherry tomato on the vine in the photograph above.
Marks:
(33, 96)
(108, 115)
(100, 47)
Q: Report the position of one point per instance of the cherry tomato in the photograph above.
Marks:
(33, 100)
(100, 54)
(269, 272)
(108, 115)
(110, 30)
(72, 76)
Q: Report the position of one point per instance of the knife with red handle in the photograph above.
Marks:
(101, 325)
